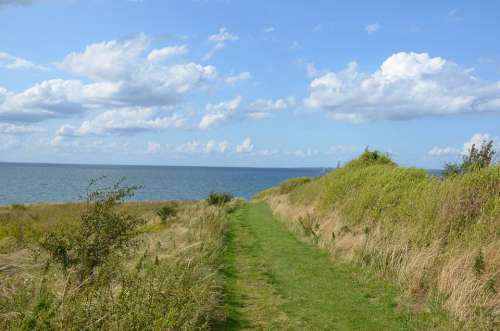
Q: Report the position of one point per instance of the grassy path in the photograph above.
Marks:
(276, 282)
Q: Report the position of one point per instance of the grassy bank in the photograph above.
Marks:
(438, 238)
(169, 280)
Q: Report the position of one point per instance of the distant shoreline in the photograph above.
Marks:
(153, 165)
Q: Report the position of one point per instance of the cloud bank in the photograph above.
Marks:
(406, 86)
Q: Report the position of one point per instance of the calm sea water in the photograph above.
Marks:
(28, 183)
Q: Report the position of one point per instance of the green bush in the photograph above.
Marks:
(369, 158)
(478, 158)
(102, 231)
(167, 212)
(219, 198)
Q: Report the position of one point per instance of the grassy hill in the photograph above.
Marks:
(439, 238)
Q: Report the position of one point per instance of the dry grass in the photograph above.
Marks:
(171, 281)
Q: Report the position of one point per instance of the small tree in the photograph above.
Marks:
(103, 230)
(475, 160)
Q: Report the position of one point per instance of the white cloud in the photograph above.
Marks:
(233, 80)
(197, 147)
(263, 108)
(223, 146)
(314, 72)
(17, 2)
(268, 152)
(121, 77)
(13, 129)
(477, 140)
(306, 152)
(340, 150)
(93, 146)
(407, 85)
(124, 121)
(443, 151)
(107, 60)
(270, 105)
(153, 147)
(218, 41)
(12, 62)
(219, 113)
(245, 147)
(189, 147)
(158, 55)
(372, 28)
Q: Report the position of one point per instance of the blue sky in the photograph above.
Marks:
(247, 83)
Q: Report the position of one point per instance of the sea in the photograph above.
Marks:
(37, 183)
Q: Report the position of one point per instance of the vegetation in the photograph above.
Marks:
(101, 233)
(438, 238)
(166, 212)
(276, 282)
(476, 159)
(218, 199)
(170, 281)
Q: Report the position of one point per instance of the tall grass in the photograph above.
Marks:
(439, 238)
(172, 281)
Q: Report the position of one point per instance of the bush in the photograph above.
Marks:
(369, 158)
(218, 199)
(166, 212)
(102, 232)
(476, 159)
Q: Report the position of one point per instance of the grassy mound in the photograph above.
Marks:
(439, 238)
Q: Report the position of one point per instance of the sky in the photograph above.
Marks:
(247, 83)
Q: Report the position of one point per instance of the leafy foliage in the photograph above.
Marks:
(369, 158)
(219, 198)
(478, 158)
(102, 231)
(166, 212)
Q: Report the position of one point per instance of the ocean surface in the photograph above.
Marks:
(30, 183)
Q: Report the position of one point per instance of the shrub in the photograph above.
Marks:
(475, 160)
(371, 158)
(219, 198)
(102, 231)
(166, 212)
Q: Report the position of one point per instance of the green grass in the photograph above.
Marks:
(275, 281)
(420, 231)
